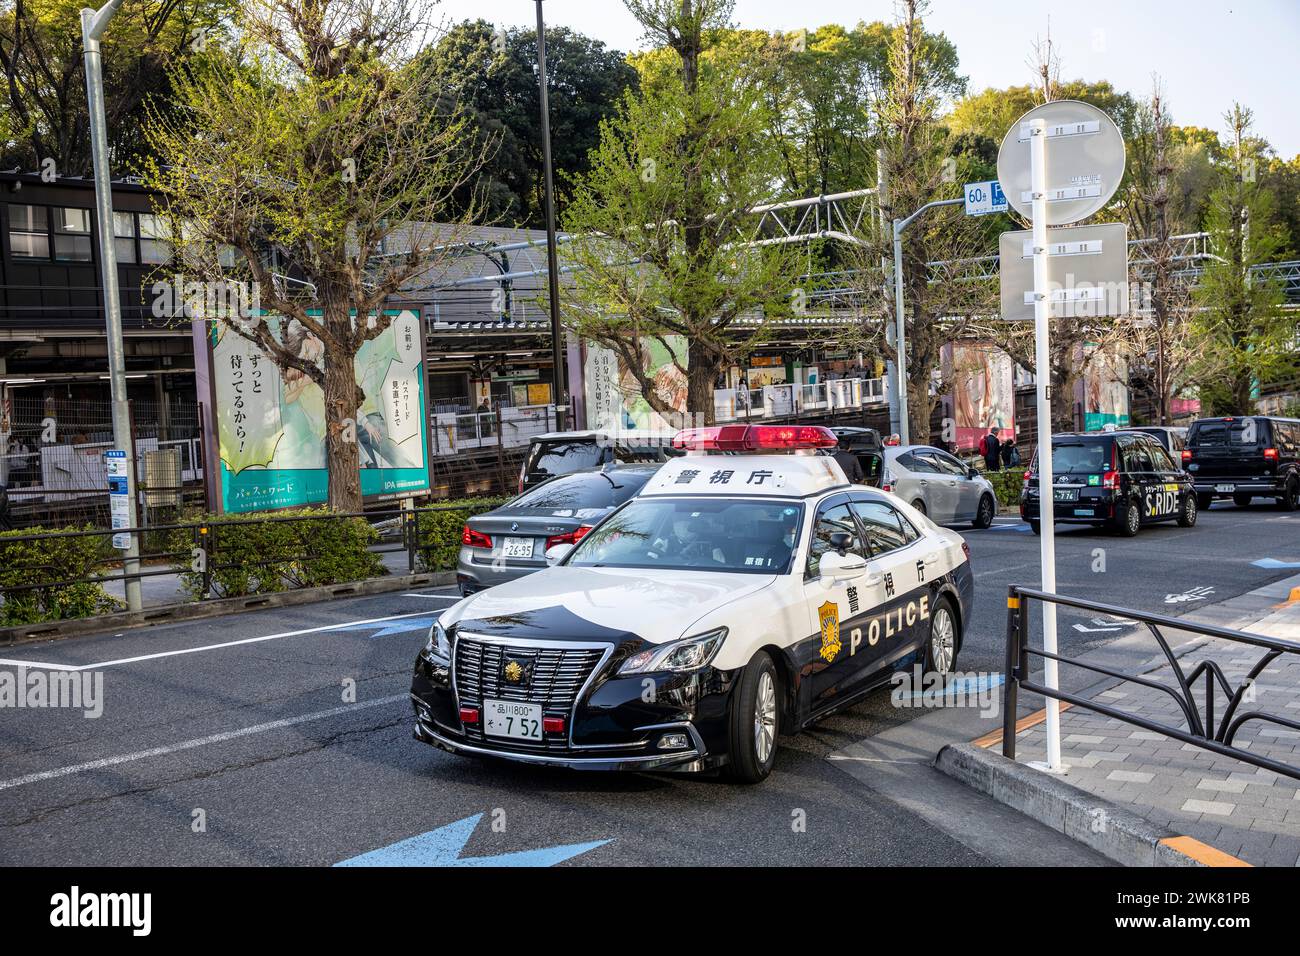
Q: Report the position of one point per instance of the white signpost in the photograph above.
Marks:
(1059, 163)
(1087, 269)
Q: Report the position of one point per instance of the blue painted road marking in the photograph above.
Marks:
(386, 628)
(443, 846)
(1273, 564)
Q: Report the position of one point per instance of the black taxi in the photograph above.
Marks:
(1119, 480)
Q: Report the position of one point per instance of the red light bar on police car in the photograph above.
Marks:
(755, 438)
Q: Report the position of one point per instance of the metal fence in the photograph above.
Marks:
(1203, 725)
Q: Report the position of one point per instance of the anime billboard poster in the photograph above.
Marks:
(983, 393)
(615, 401)
(1105, 391)
(271, 422)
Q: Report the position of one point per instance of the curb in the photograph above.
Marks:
(1112, 831)
(197, 610)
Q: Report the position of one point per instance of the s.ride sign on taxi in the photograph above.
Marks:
(748, 590)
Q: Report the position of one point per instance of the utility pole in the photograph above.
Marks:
(559, 390)
(93, 25)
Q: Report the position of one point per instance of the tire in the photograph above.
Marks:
(1203, 501)
(1036, 527)
(751, 735)
(1131, 523)
(1290, 499)
(945, 639)
(1241, 501)
(919, 505)
(984, 513)
(1188, 512)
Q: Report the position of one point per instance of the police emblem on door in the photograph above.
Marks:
(829, 615)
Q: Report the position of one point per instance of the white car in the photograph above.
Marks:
(939, 486)
(748, 590)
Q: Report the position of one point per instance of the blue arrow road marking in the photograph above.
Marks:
(443, 846)
(1273, 564)
(968, 686)
(384, 628)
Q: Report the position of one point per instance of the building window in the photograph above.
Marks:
(29, 233)
(155, 239)
(124, 236)
(72, 235)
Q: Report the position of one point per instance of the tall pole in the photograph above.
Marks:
(1042, 364)
(559, 392)
(93, 25)
(900, 337)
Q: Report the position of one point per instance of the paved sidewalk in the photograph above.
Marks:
(1250, 813)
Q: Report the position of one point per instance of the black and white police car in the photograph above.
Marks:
(747, 591)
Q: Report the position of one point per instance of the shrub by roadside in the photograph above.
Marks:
(51, 558)
(1007, 485)
(261, 554)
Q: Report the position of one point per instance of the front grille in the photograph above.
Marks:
(558, 674)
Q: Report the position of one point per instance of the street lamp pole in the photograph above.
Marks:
(900, 339)
(93, 25)
(559, 390)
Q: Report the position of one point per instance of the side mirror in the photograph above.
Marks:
(972, 472)
(557, 553)
(835, 567)
(840, 541)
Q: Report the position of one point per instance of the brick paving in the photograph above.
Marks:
(1251, 813)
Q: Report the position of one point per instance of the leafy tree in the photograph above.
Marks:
(313, 137)
(664, 212)
(1249, 338)
(491, 76)
(44, 110)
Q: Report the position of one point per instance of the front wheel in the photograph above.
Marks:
(984, 514)
(1187, 513)
(754, 722)
(919, 505)
(1036, 527)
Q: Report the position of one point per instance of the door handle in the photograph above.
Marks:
(875, 578)
(924, 481)
(931, 559)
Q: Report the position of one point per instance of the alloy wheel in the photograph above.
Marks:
(765, 717)
(943, 641)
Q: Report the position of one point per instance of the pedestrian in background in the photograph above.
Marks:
(990, 449)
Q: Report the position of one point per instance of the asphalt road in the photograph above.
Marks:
(284, 737)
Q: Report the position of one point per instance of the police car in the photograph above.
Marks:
(747, 591)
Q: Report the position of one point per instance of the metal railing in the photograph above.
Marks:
(1201, 729)
(787, 399)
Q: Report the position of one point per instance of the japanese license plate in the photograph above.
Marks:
(1065, 494)
(1084, 512)
(1227, 488)
(517, 547)
(512, 718)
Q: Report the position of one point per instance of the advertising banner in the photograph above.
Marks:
(1105, 392)
(271, 423)
(984, 394)
(613, 394)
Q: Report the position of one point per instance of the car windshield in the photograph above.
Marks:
(712, 534)
(1084, 458)
(561, 458)
(584, 490)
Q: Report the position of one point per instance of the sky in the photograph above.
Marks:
(1207, 53)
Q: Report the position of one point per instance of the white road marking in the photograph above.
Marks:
(197, 742)
(42, 665)
(441, 597)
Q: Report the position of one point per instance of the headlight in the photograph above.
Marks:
(439, 646)
(688, 654)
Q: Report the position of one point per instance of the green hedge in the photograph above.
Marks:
(256, 554)
(1007, 485)
(438, 532)
(51, 558)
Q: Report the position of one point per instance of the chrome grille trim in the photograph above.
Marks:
(563, 670)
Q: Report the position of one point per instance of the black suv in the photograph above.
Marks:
(563, 453)
(1120, 480)
(1257, 456)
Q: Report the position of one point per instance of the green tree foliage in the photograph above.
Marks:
(664, 212)
(43, 112)
(492, 76)
(1247, 335)
(313, 136)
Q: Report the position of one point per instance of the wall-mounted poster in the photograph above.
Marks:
(271, 424)
(983, 393)
(1105, 392)
(613, 394)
